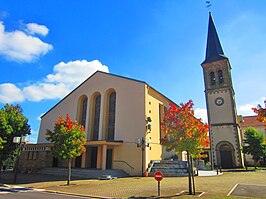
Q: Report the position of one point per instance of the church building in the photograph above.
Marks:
(224, 132)
(122, 118)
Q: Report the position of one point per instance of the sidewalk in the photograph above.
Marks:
(4, 189)
(208, 173)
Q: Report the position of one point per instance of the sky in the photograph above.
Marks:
(47, 48)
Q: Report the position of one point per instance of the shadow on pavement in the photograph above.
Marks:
(7, 178)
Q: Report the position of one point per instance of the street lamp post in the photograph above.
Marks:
(142, 143)
(21, 141)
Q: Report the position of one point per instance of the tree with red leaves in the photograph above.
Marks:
(183, 132)
(261, 112)
(68, 138)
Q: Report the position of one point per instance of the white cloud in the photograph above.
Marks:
(33, 136)
(74, 72)
(40, 91)
(66, 77)
(201, 113)
(33, 28)
(21, 47)
(246, 109)
(9, 93)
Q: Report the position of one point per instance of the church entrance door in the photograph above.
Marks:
(94, 151)
(78, 161)
(226, 157)
(109, 158)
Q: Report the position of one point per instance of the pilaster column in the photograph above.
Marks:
(104, 152)
(83, 160)
(99, 157)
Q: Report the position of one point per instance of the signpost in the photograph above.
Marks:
(158, 177)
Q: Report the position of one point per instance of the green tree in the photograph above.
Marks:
(183, 132)
(1, 143)
(69, 139)
(12, 124)
(254, 144)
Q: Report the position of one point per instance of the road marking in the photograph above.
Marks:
(232, 190)
(17, 189)
(201, 194)
(4, 192)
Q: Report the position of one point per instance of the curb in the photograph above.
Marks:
(99, 197)
(75, 194)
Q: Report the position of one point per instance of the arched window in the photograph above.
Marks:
(212, 78)
(96, 118)
(83, 111)
(220, 76)
(111, 115)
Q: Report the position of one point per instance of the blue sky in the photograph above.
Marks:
(48, 47)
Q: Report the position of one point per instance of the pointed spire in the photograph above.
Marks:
(214, 51)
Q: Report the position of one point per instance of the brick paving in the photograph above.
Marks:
(137, 187)
(117, 188)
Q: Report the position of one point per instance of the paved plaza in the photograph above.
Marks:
(146, 187)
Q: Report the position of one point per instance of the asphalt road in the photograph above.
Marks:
(37, 195)
(249, 190)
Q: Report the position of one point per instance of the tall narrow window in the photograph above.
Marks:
(111, 116)
(83, 111)
(220, 76)
(96, 119)
(212, 77)
(161, 108)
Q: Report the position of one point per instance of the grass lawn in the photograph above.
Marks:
(214, 186)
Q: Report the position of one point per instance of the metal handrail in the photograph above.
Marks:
(125, 163)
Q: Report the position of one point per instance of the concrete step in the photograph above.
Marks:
(169, 168)
(170, 174)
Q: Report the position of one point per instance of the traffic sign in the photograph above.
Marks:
(158, 176)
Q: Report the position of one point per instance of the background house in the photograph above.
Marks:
(250, 121)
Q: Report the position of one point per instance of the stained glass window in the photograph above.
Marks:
(84, 111)
(111, 116)
(96, 121)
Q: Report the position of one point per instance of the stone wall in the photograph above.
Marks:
(35, 160)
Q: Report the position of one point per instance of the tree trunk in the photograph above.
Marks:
(255, 164)
(189, 175)
(0, 167)
(193, 181)
(69, 171)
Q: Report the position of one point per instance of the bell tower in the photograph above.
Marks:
(220, 100)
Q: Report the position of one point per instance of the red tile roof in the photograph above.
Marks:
(250, 121)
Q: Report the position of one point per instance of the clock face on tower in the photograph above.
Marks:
(219, 101)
